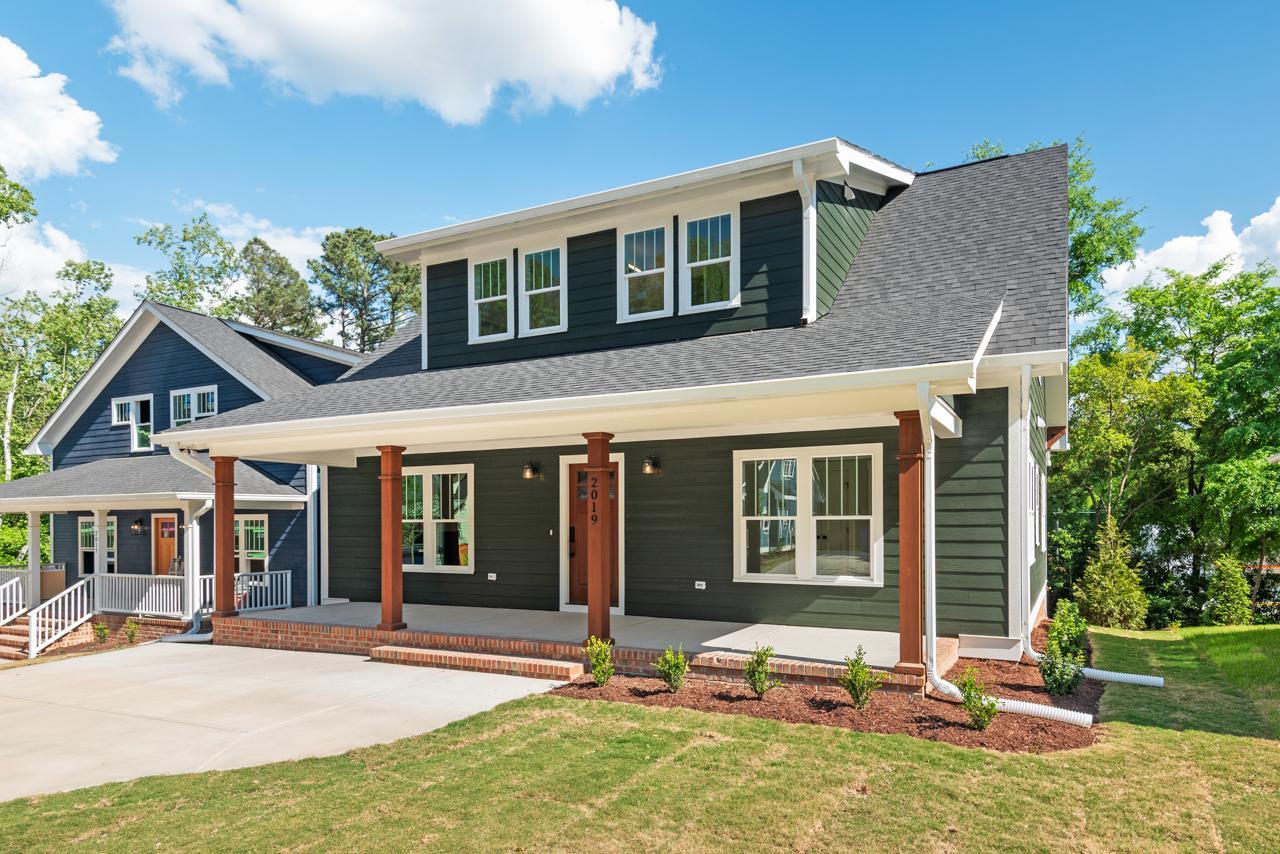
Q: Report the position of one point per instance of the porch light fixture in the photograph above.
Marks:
(651, 465)
(136, 527)
(530, 470)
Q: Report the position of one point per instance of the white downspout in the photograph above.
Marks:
(1020, 707)
(809, 243)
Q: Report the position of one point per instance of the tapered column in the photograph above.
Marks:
(910, 542)
(224, 550)
(33, 559)
(392, 538)
(600, 544)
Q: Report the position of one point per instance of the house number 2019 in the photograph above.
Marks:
(595, 480)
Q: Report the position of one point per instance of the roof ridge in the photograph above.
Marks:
(992, 159)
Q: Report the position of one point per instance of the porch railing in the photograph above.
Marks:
(52, 619)
(144, 595)
(254, 591)
(13, 598)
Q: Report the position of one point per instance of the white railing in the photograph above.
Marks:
(55, 618)
(8, 572)
(254, 591)
(152, 595)
(13, 598)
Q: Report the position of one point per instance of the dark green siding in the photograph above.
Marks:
(844, 215)
(679, 529)
(771, 283)
(1039, 453)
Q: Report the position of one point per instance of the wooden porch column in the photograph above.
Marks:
(224, 549)
(910, 542)
(599, 535)
(392, 538)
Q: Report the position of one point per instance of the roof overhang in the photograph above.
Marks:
(824, 159)
(141, 501)
(301, 345)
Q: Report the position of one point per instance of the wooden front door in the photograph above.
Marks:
(579, 508)
(164, 543)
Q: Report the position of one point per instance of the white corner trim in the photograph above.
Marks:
(567, 460)
(422, 320)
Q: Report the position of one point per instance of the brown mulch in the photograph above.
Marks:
(933, 717)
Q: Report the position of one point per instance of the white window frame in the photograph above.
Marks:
(693, 214)
(111, 555)
(116, 403)
(806, 523)
(473, 305)
(242, 559)
(428, 525)
(562, 246)
(194, 394)
(624, 279)
(133, 400)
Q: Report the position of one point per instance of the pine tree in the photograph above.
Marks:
(1227, 595)
(1110, 593)
(275, 295)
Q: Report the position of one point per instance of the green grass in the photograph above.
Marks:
(1193, 766)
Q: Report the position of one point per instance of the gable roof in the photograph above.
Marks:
(942, 262)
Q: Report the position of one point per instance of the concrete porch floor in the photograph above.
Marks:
(798, 642)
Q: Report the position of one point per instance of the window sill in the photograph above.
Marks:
(441, 570)
(736, 302)
(819, 582)
(550, 330)
(488, 339)
(648, 315)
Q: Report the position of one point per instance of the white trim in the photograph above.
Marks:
(422, 323)
(312, 531)
(428, 524)
(636, 226)
(133, 400)
(80, 550)
(152, 537)
(696, 213)
(806, 525)
(473, 306)
(562, 246)
(1016, 467)
(324, 533)
(194, 393)
(806, 184)
(136, 501)
(567, 460)
(301, 345)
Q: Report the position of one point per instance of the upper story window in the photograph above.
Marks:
(543, 303)
(135, 413)
(188, 404)
(644, 281)
(490, 309)
(709, 262)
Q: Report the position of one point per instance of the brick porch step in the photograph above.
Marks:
(508, 665)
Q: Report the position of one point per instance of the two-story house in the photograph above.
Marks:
(130, 522)
(803, 399)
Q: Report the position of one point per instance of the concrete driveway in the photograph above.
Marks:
(174, 708)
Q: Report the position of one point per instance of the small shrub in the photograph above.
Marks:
(671, 667)
(973, 696)
(1110, 592)
(1227, 595)
(600, 654)
(1061, 669)
(131, 627)
(1068, 628)
(756, 671)
(859, 679)
(101, 631)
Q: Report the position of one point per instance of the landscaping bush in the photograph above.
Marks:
(131, 627)
(859, 679)
(600, 654)
(1061, 668)
(1068, 628)
(757, 672)
(671, 667)
(1227, 595)
(973, 696)
(1110, 593)
(101, 631)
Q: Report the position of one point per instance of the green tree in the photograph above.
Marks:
(1110, 593)
(1227, 595)
(365, 295)
(17, 204)
(275, 295)
(203, 266)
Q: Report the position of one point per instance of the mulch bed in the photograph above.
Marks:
(933, 717)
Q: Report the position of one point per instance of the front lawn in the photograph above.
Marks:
(1193, 766)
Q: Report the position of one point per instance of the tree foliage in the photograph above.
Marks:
(203, 266)
(1227, 595)
(365, 295)
(1110, 593)
(274, 294)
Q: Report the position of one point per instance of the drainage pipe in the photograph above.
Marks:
(943, 686)
(1091, 673)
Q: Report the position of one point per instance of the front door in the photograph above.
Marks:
(164, 543)
(579, 511)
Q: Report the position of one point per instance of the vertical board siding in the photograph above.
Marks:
(315, 369)
(771, 262)
(844, 215)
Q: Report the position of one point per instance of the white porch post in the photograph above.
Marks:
(191, 559)
(33, 560)
(100, 553)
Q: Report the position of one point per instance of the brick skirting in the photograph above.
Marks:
(358, 640)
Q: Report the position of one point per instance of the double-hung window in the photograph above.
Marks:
(809, 515)
(438, 511)
(135, 413)
(87, 538)
(250, 539)
(189, 404)
(644, 276)
(709, 276)
(490, 307)
(543, 304)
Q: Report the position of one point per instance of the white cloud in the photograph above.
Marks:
(43, 130)
(455, 58)
(32, 254)
(1257, 241)
(296, 244)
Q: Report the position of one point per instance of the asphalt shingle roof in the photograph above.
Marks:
(937, 260)
(139, 475)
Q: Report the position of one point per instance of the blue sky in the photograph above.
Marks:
(1181, 104)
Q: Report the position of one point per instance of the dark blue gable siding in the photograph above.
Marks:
(313, 368)
(164, 362)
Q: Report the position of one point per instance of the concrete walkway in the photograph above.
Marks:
(175, 708)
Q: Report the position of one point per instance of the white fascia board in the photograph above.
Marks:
(289, 342)
(838, 156)
(213, 356)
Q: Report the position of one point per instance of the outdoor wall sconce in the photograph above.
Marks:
(530, 470)
(651, 465)
(137, 527)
